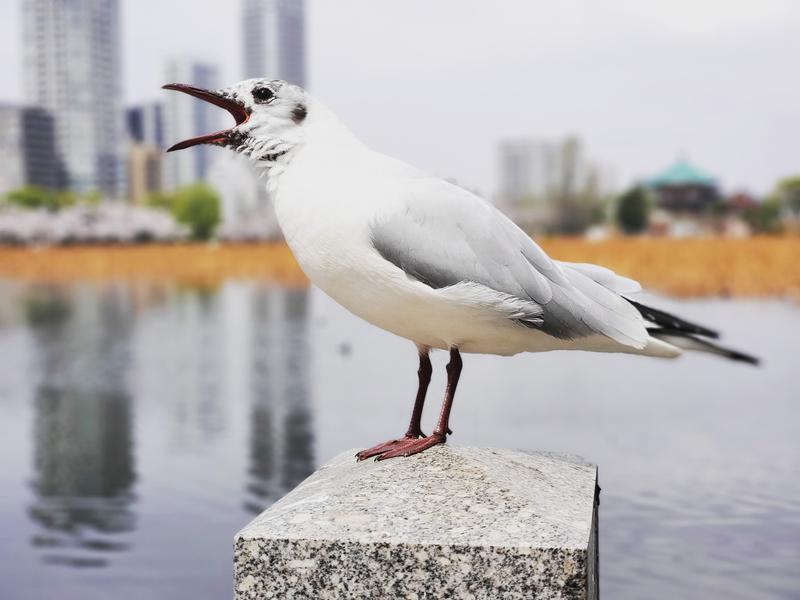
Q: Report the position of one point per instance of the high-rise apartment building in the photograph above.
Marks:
(12, 167)
(529, 170)
(144, 124)
(71, 54)
(273, 32)
(27, 148)
(186, 117)
(145, 132)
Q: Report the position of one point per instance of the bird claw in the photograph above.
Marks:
(405, 446)
(412, 446)
(380, 448)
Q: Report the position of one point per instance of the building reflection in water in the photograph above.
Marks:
(186, 366)
(84, 470)
(281, 434)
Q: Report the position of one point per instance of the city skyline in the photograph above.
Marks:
(640, 87)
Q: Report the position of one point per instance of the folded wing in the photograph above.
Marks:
(443, 236)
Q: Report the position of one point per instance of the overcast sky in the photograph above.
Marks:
(439, 82)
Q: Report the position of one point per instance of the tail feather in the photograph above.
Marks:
(689, 341)
(666, 320)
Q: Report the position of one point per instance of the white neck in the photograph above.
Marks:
(271, 155)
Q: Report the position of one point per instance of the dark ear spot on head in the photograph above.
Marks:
(299, 113)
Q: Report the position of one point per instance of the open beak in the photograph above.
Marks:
(237, 111)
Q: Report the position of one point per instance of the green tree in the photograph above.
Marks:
(160, 200)
(66, 198)
(92, 198)
(766, 217)
(31, 196)
(197, 207)
(633, 210)
(788, 190)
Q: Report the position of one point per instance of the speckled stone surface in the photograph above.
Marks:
(453, 522)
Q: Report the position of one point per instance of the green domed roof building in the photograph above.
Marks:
(684, 188)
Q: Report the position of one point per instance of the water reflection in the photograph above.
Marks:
(281, 437)
(84, 470)
(137, 417)
(197, 354)
(188, 372)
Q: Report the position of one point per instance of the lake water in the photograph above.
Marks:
(141, 426)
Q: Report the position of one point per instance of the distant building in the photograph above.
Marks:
(145, 176)
(273, 33)
(12, 167)
(741, 201)
(186, 117)
(528, 170)
(273, 36)
(27, 147)
(684, 188)
(550, 184)
(145, 132)
(144, 124)
(71, 53)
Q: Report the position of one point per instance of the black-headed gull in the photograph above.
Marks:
(426, 259)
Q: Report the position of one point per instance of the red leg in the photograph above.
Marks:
(439, 436)
(414, 431)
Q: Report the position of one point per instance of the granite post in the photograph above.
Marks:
(452, 522)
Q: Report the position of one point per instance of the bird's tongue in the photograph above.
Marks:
(211, 138)
(237, 111)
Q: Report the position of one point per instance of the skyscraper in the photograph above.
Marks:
(12, 167)
(27, 148)
(273, 33)
(144, 124)
(71, 57)
(274, 40)
(145, 133)
(186, 117)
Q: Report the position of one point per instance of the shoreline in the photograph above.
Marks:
(752, 267)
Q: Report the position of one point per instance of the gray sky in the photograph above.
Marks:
(439, 82)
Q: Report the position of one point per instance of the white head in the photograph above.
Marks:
(269, 118)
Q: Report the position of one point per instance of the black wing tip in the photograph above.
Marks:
(715, 348)
(742, 357)
(669, 321)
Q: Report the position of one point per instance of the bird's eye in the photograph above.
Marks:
(262, 95)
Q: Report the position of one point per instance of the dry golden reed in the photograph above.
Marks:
(761, 266)
(754, 267)
(203, 265)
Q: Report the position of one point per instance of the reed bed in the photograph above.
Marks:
(202, 265)
(753, 267)
(749, 267)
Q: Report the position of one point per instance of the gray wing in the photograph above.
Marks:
(605, 277)
(443, 235)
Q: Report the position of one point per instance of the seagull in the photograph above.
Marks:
(425, 259)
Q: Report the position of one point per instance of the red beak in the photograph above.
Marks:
(237, 111)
